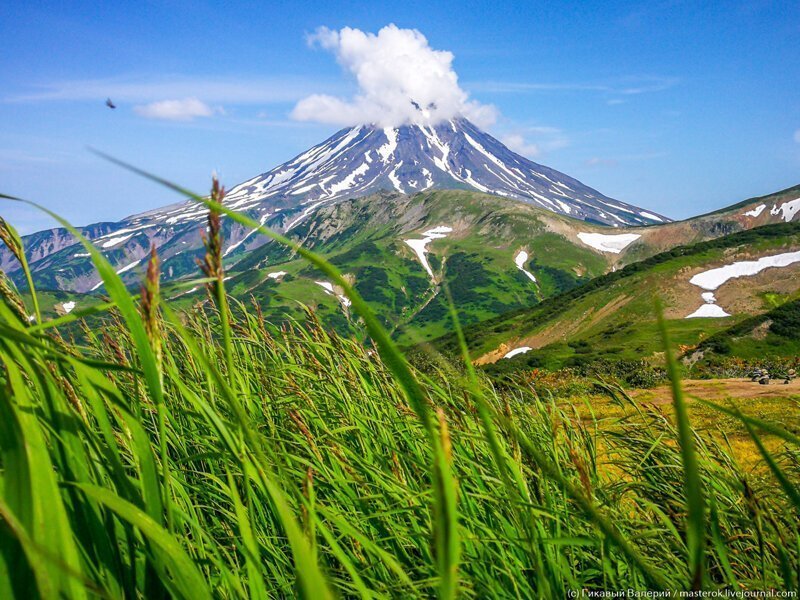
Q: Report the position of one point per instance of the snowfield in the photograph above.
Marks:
(520, 259)
(787, 210)
(328, 287)
(713, 278)
(708, 310)
(69, 306)
(116, 240)
(420, 246)
(651, 216)
(756, 211)
(515, 351)
(608, 243)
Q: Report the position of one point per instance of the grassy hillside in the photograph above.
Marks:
(365, 239)
(772, 335)
(613, 317)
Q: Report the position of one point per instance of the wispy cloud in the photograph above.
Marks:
(20, 156)
(519, 145)
(20, 160)
(624, 86)
(145, 89)
(186, 109)
(598, 161)
(535, 141)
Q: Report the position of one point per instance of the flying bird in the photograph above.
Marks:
(110, 104)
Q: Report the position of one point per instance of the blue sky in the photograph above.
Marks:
(679, 107)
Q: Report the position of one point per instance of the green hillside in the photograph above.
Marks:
(612, 317)
(366, 238)
(773, 334)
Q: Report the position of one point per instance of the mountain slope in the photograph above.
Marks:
(379, 243)
(353, 163)
(496, 255)
(413, 158)
(726, 280)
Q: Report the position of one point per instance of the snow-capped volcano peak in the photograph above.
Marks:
(417, 157)
(355, 162)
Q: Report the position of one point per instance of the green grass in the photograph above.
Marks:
(208, 453)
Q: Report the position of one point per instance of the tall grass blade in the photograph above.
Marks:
(692, 482)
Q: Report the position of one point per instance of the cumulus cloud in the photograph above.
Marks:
(400, 79)
(176, 110)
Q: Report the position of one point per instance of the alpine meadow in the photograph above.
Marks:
(411, 361)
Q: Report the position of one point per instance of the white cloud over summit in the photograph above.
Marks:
(400, 78)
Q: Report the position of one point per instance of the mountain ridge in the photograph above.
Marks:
(354, 162)
(455, 154)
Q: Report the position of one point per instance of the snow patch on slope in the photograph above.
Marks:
(515, 351)
(787, 210)
(756, 211)
(647, 215)
(387, 150)
(328, 287)
(608, 243)
(116, 240)
(714, 278)
(419, 246)
(520, 259)
(708, 311)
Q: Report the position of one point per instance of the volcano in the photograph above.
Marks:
(356, 162)
(455, 154)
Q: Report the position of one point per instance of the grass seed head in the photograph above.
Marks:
(12, 298)
(10, 238)
(211, 265)
(149, 303)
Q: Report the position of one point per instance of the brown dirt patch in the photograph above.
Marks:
(721, 389)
